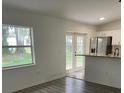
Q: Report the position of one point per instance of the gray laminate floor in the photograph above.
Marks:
(70, 85)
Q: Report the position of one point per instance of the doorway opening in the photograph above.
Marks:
(75, 65)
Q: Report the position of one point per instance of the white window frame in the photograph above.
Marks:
(22, 46)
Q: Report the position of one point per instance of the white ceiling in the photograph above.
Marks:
(85, 11)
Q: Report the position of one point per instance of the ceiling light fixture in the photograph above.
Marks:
(102, 18)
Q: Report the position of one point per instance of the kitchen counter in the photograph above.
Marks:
(102, 69)
(92, 55)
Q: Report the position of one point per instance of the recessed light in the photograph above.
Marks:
(102, 18)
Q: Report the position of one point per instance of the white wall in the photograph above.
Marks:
(49, 41)
(106, 71)
(114, 25)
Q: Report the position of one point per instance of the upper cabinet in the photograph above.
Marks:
(116, 36)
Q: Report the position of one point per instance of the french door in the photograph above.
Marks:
(75, 44)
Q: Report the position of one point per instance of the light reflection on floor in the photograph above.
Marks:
(77, 74)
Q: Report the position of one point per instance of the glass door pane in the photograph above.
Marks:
(69, 52)
(102, 43)
(93, 47)
(79, 50)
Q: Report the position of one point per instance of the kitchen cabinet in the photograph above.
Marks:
(116, 36)
(103, 70)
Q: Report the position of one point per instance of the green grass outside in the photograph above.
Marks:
(69, 59)
(16, 59)
(7, 61)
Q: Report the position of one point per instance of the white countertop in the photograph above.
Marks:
(94, 55)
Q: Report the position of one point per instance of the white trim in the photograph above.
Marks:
(18, 26)
(32, 46)
(18, 66)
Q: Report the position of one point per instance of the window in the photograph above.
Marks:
(17, 46)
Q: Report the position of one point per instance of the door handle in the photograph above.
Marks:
(75, 53)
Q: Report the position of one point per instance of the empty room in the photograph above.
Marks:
(61, 46)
